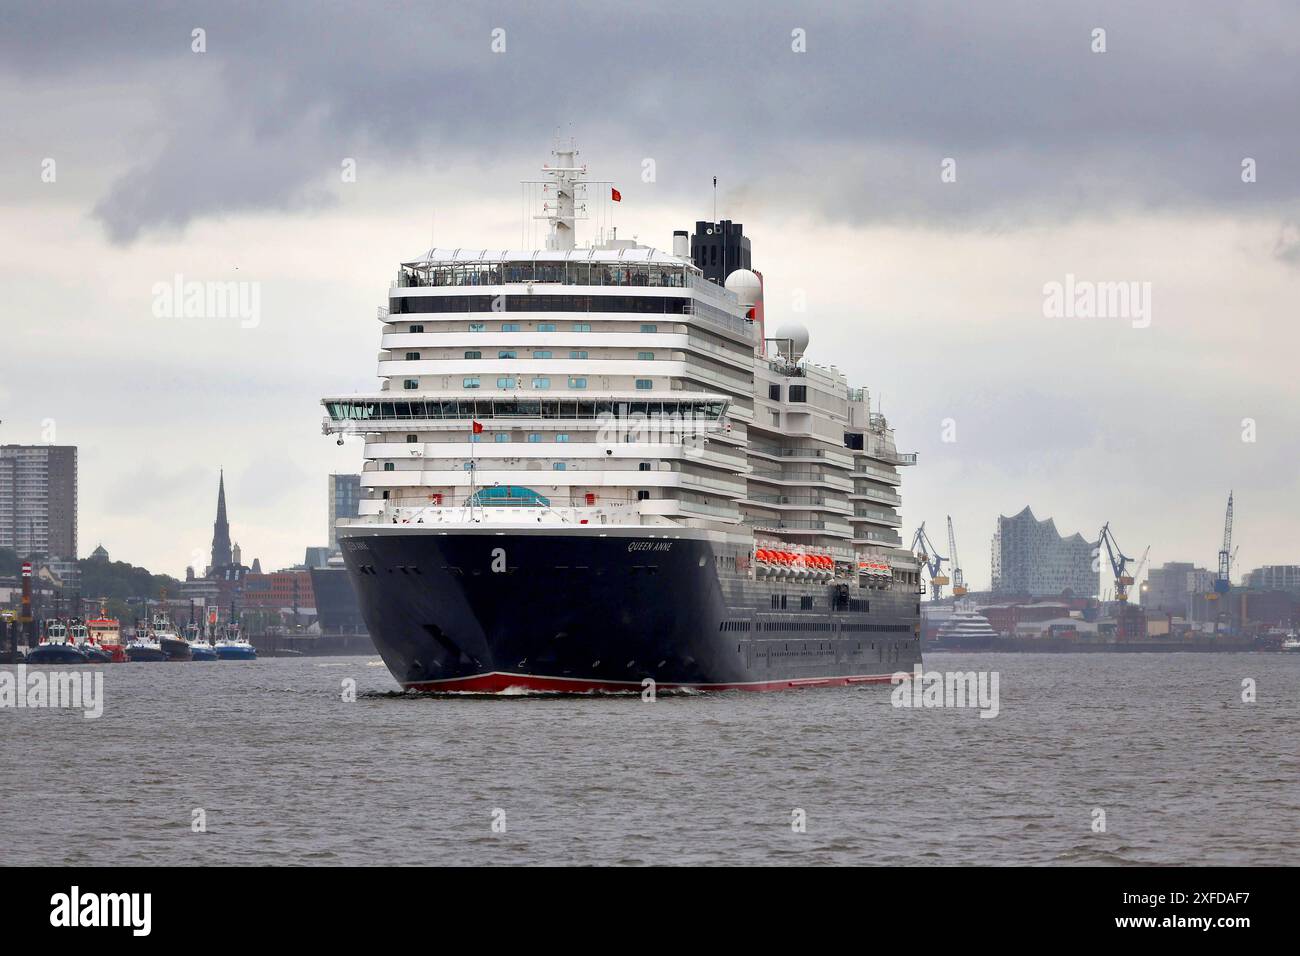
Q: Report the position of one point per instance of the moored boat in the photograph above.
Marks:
(173, 645)
(200, 648)
(144, 647)
(56, 647)
(79, 635)
(105, 633)
(233, 647)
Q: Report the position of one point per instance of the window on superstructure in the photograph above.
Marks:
(561, 437)
(411, 383)
(577, 383)
(645, 356)
(478, 326)
(541, 354)
(798, 393)
(578, 354)
(509, 326)
(541, 383)
(473, 355)
(774, 391)
(643, 466)
(534, 437)
(417, 328)
(645, 383)
(545, 326)
(471, 382)
(501, 437)
(507, 354)
(643, 495)
(560, 466)
(412, 439)
(582, 326)
(506, 382)
(413, 356)
(389, 466)
(649, 328)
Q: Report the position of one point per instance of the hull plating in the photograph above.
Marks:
(579, 613)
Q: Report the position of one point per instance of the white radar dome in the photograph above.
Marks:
(747, 286)
(795, 335)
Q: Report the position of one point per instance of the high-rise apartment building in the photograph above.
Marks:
(38, 500)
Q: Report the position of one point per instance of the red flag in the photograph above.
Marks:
(478, 429)
(615, 195)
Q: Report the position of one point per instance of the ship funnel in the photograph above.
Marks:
(681, 244)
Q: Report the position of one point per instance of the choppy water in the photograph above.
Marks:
(289, 773)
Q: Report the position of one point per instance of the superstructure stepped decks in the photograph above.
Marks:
(616, 383)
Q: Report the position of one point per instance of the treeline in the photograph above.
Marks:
(115, 580)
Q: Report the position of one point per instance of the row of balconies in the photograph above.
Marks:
(876, 494)
(879, 517)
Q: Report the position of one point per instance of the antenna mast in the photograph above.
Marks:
(566, 188)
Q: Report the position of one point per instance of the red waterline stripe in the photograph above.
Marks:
(499, 681)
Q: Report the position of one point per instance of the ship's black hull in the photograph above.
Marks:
(565, 612)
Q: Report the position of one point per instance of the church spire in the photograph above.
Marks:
(221, 529)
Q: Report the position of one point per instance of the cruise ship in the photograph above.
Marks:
(590, 468)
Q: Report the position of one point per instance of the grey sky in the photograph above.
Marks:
(1115, 166)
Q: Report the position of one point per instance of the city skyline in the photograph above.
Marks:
(929, 292)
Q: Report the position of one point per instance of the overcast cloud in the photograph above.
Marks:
(1115, 166)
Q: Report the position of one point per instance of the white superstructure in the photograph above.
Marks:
(613, 384)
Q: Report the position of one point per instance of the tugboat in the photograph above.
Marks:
(144, 647)
(79, 635)
(106, 634)
(173, 645)
(55, 647)
(232, 646)
(200, 649)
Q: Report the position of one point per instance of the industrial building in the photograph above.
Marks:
(1169, 587)
(1031, 559)
(1274, 577)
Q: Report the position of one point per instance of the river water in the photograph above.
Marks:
(284, 770)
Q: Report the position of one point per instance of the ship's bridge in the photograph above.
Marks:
(636, 266)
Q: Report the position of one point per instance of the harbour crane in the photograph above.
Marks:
(1142, 565)
(929, 555)
(958, 579)
(1118, 562)
(1223, 583)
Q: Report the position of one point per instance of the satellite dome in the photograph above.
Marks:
(746, 285)
(792, 336)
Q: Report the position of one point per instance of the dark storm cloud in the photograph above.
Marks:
(854, 129)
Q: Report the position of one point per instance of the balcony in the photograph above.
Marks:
(879, 517)
(800, 503)
(863, 470)
(880, 496)
(796, 525)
